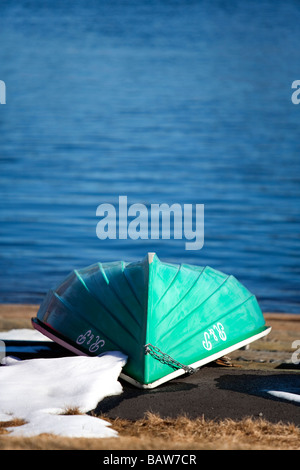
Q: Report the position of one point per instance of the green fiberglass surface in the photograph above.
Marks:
(189, 313)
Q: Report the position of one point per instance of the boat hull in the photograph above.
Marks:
(191, 315)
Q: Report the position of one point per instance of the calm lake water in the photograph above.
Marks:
(161, 101)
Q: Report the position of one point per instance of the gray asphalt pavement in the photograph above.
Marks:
(212, 392)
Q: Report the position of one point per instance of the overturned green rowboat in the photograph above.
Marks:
(168, 319)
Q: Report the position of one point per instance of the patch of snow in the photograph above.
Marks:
(41, 390)
(284, 395)
(42, 421)
(5, 417)
(21, 334)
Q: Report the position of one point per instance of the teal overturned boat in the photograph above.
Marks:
(168, 319)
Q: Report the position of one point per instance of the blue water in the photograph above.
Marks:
(162, 101)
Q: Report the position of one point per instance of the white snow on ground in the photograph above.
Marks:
(25, 334)
(285, 395)
(68, 426)
(4, 417)
(41, 390)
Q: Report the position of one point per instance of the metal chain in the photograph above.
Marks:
(164, 358)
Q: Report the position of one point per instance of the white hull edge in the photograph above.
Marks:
(197, 364)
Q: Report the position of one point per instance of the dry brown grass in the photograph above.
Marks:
(182, 433)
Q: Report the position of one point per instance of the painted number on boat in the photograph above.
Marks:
(87, 339)
(214, 334)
